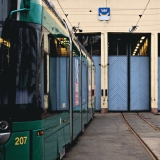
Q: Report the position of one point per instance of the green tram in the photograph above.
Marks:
(47, 86)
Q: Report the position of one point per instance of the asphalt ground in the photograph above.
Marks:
(107, 137)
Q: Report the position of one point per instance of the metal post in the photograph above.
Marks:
(70, 84)
(81, 90)
(71, 91)
(87, 85)
(91, 82)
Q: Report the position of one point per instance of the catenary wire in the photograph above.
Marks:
(113, 9)
(64, 13)
(142, 12)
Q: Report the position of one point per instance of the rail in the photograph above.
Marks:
(139, 138)
(152, 125)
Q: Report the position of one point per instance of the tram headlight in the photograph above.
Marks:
(4, 125)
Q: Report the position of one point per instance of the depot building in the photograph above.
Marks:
(123, 38)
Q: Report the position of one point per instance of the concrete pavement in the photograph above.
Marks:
(107, 138)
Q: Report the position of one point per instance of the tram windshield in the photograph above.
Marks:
(19, 61)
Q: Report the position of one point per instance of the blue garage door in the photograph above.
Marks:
(129, 82)
(139, 83)
(117, 83)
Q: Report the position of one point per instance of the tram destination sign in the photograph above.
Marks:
(104, 14)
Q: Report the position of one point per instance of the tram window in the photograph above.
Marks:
(62, 47)
(46, 79)
(75, 51)
(46, 73)
(4, 10)
(53, 47)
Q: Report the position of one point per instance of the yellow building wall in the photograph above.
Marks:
(124, 15)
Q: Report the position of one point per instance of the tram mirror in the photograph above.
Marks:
(27, 3)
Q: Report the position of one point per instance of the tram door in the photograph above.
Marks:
(129, 72)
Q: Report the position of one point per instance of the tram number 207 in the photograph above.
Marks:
(20, 140)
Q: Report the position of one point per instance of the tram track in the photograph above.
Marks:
(154, 157)
(152, 125)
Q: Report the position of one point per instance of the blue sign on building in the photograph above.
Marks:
(104, 14)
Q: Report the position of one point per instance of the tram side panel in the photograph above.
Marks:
(89, 90)
(42, 135)
(56, 127)
(53, 83)
(26, 135)
(76, 96)
(62, 81)
(23, 129)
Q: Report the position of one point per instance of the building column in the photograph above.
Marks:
(154, 73)
(104, 73)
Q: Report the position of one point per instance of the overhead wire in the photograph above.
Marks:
(113, 9)
(135, 27)
(72, 27)
(116, 21)
(64, 13)
(112, 14)
(121, 26)
(70, 24)
(142, 12)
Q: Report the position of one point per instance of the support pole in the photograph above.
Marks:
(91, 80)
(71, 91)
(70, 84)
(81, 90)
